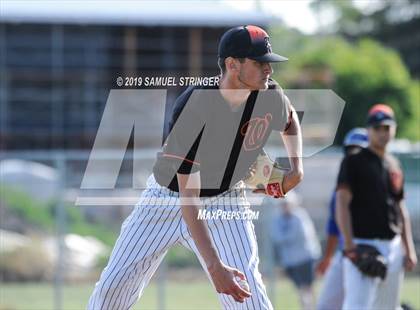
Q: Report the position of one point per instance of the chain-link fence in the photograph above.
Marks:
(66, 233)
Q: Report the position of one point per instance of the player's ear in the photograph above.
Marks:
(231, 64)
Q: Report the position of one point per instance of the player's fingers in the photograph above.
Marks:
(408, 265)
(229, 290)
(412, 263)
(322, 268)
(238, 289)
(259, 191)
(242, 293)
(239, 294)
(239, 274)
(238, 298)
(235, 295)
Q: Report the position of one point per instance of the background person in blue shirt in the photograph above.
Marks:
(296, 245)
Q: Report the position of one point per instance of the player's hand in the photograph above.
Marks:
(224, 280)
(290, 180)
(410, 261)
(283, 183)
(322, 266)
(264, 190)
(259, 191)
(266, 177)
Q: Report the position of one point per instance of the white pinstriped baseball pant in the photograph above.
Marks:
(154, 226)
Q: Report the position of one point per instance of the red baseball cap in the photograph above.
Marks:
(248, 42)
(380, 114)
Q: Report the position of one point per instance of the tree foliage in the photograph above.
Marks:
(363, 74)
(394, 23)
(353, 21)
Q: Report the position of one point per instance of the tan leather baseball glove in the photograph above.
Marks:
(266, 175)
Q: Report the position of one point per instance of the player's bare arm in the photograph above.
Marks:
(292, 139)
(332, 242)
(343, 216)
(222, 275)
(407, 238)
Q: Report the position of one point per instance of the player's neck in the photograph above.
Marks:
(234, 95)
(380, 151)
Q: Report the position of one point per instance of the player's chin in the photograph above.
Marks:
(383, 143)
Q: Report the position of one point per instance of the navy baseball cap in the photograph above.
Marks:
(380, 114)
(248, 42)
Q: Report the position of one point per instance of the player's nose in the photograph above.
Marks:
(268, 69)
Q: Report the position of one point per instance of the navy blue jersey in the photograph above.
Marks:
(207, 135)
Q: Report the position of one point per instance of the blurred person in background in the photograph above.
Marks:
(332, 292)
(370, 210)
(296, 246)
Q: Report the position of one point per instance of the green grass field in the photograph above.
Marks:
(197, 294)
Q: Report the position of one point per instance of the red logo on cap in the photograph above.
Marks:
(256, 33)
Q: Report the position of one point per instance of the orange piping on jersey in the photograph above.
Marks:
(182, 158)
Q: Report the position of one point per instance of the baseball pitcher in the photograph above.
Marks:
(216, 134)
